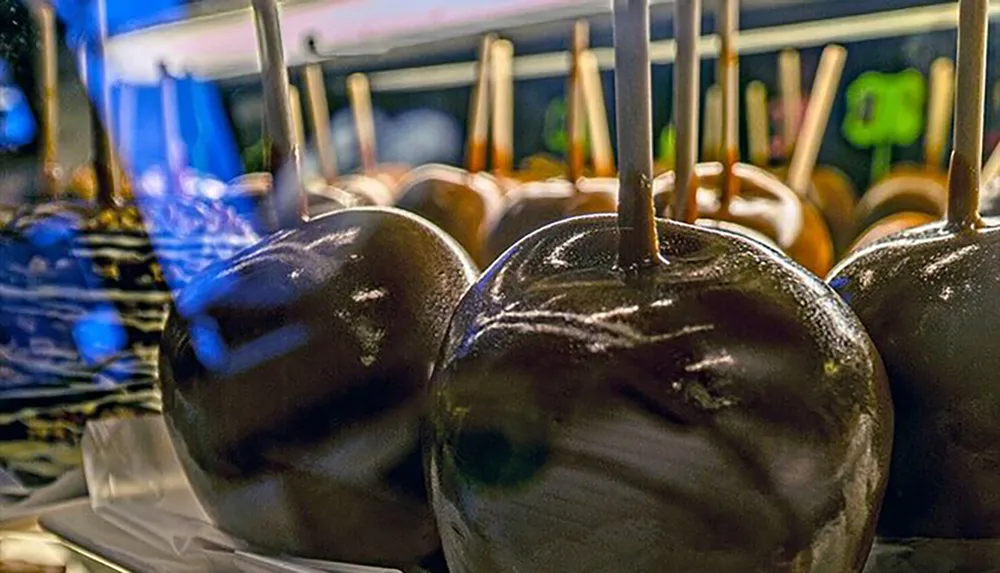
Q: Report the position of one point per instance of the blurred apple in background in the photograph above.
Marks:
(424, 136)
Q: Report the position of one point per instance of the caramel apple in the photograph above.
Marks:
(817, 230)
(533, 205)
(628, 394)
(925, 296)
(463, 203)
(294, 375)
(916, 191)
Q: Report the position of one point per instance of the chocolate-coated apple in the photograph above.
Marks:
(294, 382)
(929, 299)
(294, 376)
(637, 395)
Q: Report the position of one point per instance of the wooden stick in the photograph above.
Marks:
(503, 107)
(284, 162)
(941, 105)
(821, 97)
(319, 116)
(360, 95)
(711, 144)
(575, 117)
(790, 80)
(729, 74)
(601, 152)
(173, 139)
(298, 122)
(964, 174)
(47, 69)
(479, 119)
(638, 245)
(687, 82)
(758, 124)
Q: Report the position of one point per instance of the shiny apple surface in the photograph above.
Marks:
(724, 411)
(929, 298)
(294, 384)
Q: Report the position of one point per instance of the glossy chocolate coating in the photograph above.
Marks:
(928, 298)
(766, 205)
(303, 437)
(535, 205)
(724, 411)
(464, 205)
(905, 190)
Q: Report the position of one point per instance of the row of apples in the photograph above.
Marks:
(615, 392)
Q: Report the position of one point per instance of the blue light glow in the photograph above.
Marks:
(99, 335)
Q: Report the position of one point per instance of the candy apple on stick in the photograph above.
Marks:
(818, 244)
(463, 203)
(929, 299)
(294, 375)
(601, 404)
(101, 274)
